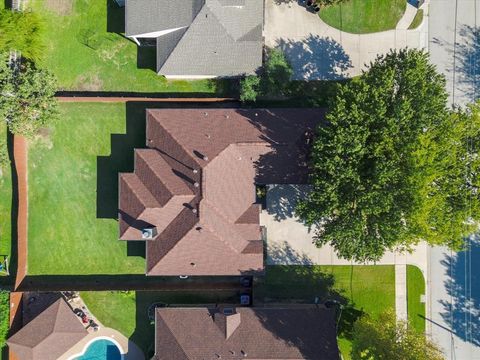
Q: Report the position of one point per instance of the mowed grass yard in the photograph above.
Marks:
(364, 16)
(415, 289)
(86, 51)
(70, 172)
(362, 290)
(5, 201)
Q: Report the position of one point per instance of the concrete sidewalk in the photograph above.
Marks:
(318, 51)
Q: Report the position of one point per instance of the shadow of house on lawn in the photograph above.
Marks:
(115, 17)
(462, 314)
(316, 58)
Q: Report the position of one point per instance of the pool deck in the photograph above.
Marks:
(129, 350)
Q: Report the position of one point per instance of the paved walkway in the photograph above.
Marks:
(454, 277)
(407, 17)
(319, 52)
(289, 242)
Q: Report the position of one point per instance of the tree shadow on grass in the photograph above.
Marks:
(306, 284)
(316, 58)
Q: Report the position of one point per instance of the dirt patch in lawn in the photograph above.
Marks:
(60, 7)
(89, 83)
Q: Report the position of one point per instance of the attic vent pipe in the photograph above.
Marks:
(195, 171)
(196, 184)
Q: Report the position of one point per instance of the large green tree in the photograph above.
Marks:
(21, 31)
(380, 178)
(27, 100)
(387, 339)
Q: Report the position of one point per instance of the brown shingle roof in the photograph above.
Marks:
(257, 333)
(49, 335)
(196, 185)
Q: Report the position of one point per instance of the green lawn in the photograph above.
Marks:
(5, 201)
(415, 288)
(127, 311)
(70, 172)
(364, 16)
(86, 51)
(417, 20)
(362, 289)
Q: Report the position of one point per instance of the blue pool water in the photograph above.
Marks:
(101, 349)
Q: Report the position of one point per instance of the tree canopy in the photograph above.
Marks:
(386, 339)
(381, 175)
(21, 31)
(27, 100)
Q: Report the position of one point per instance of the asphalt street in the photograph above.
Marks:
(454, 286)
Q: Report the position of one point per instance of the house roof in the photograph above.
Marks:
(49, 335)
(200, 37)
(252, 333)
(195, 185)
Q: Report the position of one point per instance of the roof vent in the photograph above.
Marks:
(195, 171)
(205, 157)
(227, 116)
(243, 353)
(196, 184)
(194, 211)
(205, 113)
(149, 233)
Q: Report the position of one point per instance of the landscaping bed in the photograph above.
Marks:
(361, 289)
(73, 190)
(86, 50)
(360, 16)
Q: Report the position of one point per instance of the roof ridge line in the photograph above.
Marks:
(225, 219)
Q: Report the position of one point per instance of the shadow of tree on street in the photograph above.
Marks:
(465, 60)
(463, 285)
(316, 58)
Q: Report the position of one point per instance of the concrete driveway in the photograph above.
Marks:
(320, 52)
(290, 242)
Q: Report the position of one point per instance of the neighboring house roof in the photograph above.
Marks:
(250, 333)
(49, 335)
(194, 186)
(200, 37)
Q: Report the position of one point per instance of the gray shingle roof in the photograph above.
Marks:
(217, 37)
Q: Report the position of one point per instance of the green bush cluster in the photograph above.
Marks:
(4, 316)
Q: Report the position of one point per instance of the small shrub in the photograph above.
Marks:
(249, 88)
(4, 159)
(4, 316)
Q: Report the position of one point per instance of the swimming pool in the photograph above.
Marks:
(101, 349)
